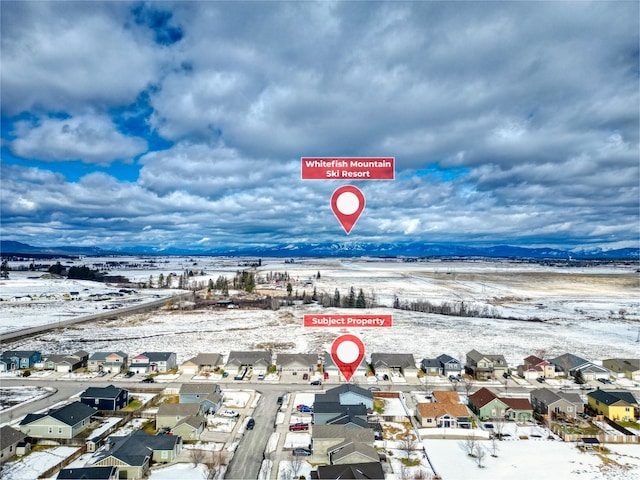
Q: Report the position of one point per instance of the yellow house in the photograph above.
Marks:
(617, 405)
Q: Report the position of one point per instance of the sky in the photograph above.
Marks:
(182, 124)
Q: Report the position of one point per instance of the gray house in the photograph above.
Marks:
(9, 440)
(332, 371)
(449, 365)
(108, 362)
(65, 422)
(325, 413)
(259, 361)
(297, 363)
(624, 367)
(169, 414)
(134, 453)
(209, 396)
(394, 364)
(485, 367)
(548, 402)
(202, 363)
(431, 366)
(348, 394)
(66, 363)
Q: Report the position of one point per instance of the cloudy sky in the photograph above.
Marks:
(182, 124)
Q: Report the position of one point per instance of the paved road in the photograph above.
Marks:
(248, 458)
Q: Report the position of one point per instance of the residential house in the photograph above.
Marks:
(105, 398)
(534, 367)
(89, 473)
(446, 411)
(443, 415)
(431, 366)
(350, 451)
(259, 361)
(518, 409)
(134, 453)
(572, 365)
(209, 396)
(202, 363)
(61, 423)
(617, 405)
(110, 362)
(190, 428)
(394, 364)
(347, 394)
(449, 365)
(328, 412)
(565, 404)
(624, 367)
(297, 363)
(325, 439)
(153, 362)
(19, 359)
(349, 419)
(351, 471)
(331, 369)
(66, 363)
(9, 440)
(485, 367)
(486, 404)
(169, 414)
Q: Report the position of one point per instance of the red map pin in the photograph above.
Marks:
(347, 204)
(347, 352)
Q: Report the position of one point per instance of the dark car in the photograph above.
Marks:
(506, 375)
(280, 400)
(148, 380)
(129, 374)
(301, 452)
(540, 380)
(250, 424)
(316, 382)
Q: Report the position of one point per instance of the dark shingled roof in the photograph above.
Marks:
(69, 414)
(87, 473)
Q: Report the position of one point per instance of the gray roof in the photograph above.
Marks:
(199, 388)
(206, 359)
(343, 433)
(624, 364)
(182, 409)
(444, 358)
(307, 359)
(352, 471)
(430, 362)
(568, 361)
(10, 436)
(321, 406)
(110, 391)
(348, 448)
(249, 358)
(333, 394)
(87, 473)
(347, 418)
(69, 414)
(393, 360)
(103, 355)
(137, 448)
(194, 421)
(157, 356)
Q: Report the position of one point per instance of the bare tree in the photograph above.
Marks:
(196, 456)
(494, 446)
(468, 383)
(481, 453)
(408, 443)
(499, 423)
(214, 463)
(470, 445)
(296, 465)
(285, 474)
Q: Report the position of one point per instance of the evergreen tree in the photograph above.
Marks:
(360, 301)
(351, 299)
(161, 281)
(336, 298)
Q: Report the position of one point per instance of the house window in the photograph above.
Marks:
(96, 400)
(50, 429)
(569, 409)
(165, 455)
(59, 429)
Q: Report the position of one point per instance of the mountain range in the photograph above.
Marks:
(344, 249)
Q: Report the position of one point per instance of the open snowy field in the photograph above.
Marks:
(593, 312)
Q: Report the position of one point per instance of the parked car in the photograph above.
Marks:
(453, 379)
(225, 374)
(326, 375)
(250, 424)
(261, 376)
(301, 452)
(316, 382)
(298, 427)
(280, 400)
(374, 389)
(148, 380)
(305, 376)
(540, 380)
(229, 413)
(102, 373)
(506, 375)
(306, 409)
(129, 374)
(602, 380)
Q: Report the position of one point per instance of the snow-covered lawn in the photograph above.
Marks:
(179, 470)
(297, 439)
(36, 463)
(236, 398)
(12, 396)
(530, 460)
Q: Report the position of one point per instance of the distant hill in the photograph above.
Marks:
(343, 249)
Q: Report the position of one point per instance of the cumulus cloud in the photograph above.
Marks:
(91, 139)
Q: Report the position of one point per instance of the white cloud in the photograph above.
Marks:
(92, 139)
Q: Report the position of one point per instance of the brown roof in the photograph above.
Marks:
(437, 410)
(482, 397)
(517, 403)
(442, 396)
